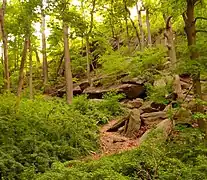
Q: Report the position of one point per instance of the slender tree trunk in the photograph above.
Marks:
(5, 45)
(37, 56)
(127, 31)
(21, 71)
(172, 55)
(148, 28)
(60, 64)
(140, 27)
(44, 51)
(132, 22)
(112, 19)
(30, 71)
(87, 41)
(88, 60)
(170, 41)
(68, 73)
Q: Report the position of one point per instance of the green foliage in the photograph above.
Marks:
(158, 93)
(102, 111)
(39, 132)
(182, 157)
(114, 63)
(147, 63)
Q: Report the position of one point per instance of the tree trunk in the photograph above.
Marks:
(5, 45)
(44, 52)
(60, 64)
(170, 42)
(140, 27)
(68, 73)
(37, 56)
(21, 70)
(112, 19)
(88, 61)
(127, 31)
(190, 30)
(148, 29)
(132, 22)
(87, 41)
(30, 71)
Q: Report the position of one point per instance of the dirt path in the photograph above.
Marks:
(113, 142)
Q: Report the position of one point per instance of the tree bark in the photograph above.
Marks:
(68, 73)
(88, 60)
(170, 41)
(5, 45)
(112, 19)
(30, 71)
(190, 29)
(37, 56)
(21, 71)
(87, 41)
(132, 22)
(140, 27)
(44, 51)
(148, 28)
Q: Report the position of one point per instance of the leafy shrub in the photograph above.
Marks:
(182, 157)
(158, 93)
(39, 132)
(102, 110)
(147, 63)
(114, 63)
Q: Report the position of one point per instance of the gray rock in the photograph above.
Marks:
(153, 118)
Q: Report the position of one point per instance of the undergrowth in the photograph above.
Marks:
(40, 132)
(184, 156)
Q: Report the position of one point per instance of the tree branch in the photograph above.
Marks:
(185, 17)
(168, 22)
(202, 31)
(198, 18)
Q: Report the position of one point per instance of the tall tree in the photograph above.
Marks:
(30, 69)
(88, 35)
(23, 62)
(4, 37)
(132, 22)
(190, 29)
(148, 28)
(140, 26)
(44, 48)
(68, 72)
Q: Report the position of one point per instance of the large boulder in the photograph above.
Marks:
(95, 93)
(183, 116)
(137, 81)
(131, 91)
(83, 85)
(157, 135)
(136, 103)
(149, 107)
(153, 118)
(133, 124)
(76, 91)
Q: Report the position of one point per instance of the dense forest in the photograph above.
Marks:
(103, 89)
